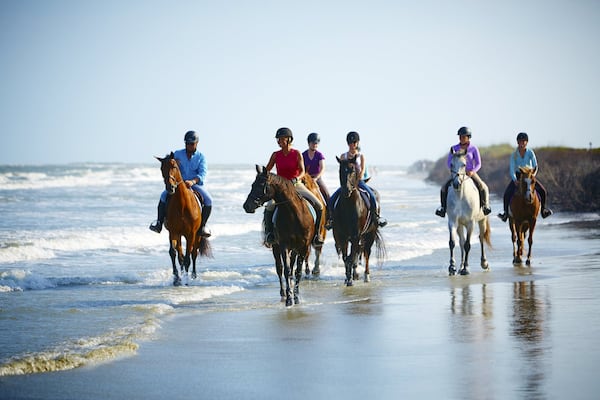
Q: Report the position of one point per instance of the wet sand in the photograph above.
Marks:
(515, 332)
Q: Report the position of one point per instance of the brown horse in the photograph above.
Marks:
(523, 211)
(183, 218)
(294, 228)
(352, 224)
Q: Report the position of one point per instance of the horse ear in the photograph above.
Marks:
(338, 159)
(158, 158)
(172, 155)
(257, 168)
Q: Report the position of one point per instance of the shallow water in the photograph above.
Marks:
(84, 282)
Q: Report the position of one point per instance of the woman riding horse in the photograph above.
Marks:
(523, 157)
(290, 165)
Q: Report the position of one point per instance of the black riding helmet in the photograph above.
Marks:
(352, 137)
(313, 138)
(284, 132)
(464, 131)
(191, 137)
(522, 136)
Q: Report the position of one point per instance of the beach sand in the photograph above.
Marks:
(515, 332)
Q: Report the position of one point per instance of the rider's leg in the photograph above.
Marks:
(443, 197)
(206, 209)
(374, 205)
(546, 212)
(508, 193)
(484, 193)
(156, 226)
(268, 224)
(330, 208)
(317, 205)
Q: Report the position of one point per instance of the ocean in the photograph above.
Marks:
(84, 281)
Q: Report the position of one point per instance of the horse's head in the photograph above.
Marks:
(458, 168)
(348, 175)
(526, 184)
(260, 192)
(170, 172)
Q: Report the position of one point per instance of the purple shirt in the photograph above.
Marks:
(473, 159)
(312, 167)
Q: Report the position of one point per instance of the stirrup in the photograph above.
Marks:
(204, 233)
(503, 216)
(329, 224)
(318, 240)
(487, 210)
(381, 222)
(156, 226)
(546, 212)
(440, 212)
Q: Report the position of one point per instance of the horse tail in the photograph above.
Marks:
(488, 233)
(205, 248)
(380, 250)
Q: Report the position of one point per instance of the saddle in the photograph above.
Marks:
(364, 195)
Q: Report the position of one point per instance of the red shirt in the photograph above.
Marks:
(287, 165)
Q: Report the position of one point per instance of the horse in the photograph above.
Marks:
(183, 218)
(294, 228)
(353, 225)
(464, 210)
(523, 211)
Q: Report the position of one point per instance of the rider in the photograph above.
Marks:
(473, 165)
(314, 165)
(353, 139)
(193, 170)
(523, 157)
(290, 165)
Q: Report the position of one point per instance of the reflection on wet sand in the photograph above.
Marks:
(529, 326)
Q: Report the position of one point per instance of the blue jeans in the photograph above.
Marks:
(196, 188)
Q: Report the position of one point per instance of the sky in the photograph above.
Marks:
(123, 80)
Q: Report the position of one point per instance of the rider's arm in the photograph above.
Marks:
(300, 166)
(271, 162)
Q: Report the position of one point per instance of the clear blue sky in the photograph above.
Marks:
(123, 80)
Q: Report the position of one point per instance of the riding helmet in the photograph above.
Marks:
(464, 131)
(352, 137)
(284, 132)
(191, 137)
(313, 138)
(522, 136)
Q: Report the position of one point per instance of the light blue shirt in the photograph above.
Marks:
(195, 167)
(516, 161)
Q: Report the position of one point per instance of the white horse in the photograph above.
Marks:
(464, 210)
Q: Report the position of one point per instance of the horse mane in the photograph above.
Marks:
(526, 170)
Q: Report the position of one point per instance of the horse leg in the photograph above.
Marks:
(317, 268)
(520, 240)
(298, 278)
(287, 272)
(356, 252)
(173, 254)
(279, 269)
(530, 241)
(367, 272)
(451, 245)
(482, 228)
(465, 246)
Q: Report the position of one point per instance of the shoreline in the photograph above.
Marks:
(508, 333)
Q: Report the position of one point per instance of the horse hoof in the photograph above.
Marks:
(296, 300)
(464, 272)
(288, 302)
(367, 278)
(177, 281)
(451, 271)
(349, 282)
(316, 271)
(528, 263)
(194, 276)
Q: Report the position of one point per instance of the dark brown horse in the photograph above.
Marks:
(294, 228)
(352, 224)
(183, 218)
(523, 212)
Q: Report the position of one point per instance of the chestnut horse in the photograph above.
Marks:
(464, 211)
(523, 211)
(183, 218)
(294, 228)
(352, 224)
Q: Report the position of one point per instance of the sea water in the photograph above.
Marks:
(83, 280)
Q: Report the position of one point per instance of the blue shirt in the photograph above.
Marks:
(195, 167)
(516, 161)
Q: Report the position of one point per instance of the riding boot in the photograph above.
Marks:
(441, 212)
(485, 200)
(268, 227)
(381, 222)
(318, 239)
(206, 210)
(162, 211)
